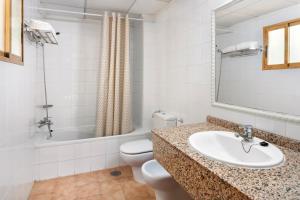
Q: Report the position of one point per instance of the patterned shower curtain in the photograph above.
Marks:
(114, 115)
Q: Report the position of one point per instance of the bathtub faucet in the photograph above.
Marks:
(46, 122)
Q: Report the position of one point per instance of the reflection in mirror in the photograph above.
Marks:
(276, 47)
(257, 62)
(294, 44)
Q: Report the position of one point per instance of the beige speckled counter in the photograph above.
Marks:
(203, 178)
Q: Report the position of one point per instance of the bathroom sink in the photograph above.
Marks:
(228, 147)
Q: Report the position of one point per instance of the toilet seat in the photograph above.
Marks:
(135, 153)
(137, 159)
(137, 147)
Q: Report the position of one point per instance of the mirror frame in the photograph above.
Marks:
(265, 113)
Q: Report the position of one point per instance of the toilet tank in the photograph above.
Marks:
(163, 120)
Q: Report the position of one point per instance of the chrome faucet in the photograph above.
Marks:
(45, 121)
(247, 134)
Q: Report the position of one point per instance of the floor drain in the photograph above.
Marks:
(115, 173)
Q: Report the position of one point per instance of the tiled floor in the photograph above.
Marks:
(98, 185)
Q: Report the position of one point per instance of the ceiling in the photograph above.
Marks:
(145, 7)
(242, 10)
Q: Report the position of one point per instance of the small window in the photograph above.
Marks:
(11, 31)
(282, 45)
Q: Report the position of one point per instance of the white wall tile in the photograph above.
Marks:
(72, 78)
(98, 147)
(293, 130)
(66, 168)
(121, 161)
(37, 155)
(98, 163)
(89, 156)
(272, 125)
(66, 152)
(48, 170)
(48, 154)
(112, 160)
(82, 150)
(112, 145)
(17, 119)
(36, 169)
(82, 165)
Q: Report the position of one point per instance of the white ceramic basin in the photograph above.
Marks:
(226, 147)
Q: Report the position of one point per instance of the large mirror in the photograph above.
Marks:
(11, 31)
(256, 62)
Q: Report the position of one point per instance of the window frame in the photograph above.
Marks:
(285, 25)
(6, 55)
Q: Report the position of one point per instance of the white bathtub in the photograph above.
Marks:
(71, 152)
(64, 136)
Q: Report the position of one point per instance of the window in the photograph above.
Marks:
(282, 45)
(11, 31)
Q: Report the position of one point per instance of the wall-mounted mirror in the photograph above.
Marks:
(256, 62)
(11, 31)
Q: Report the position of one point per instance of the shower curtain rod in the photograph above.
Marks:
(78, 13)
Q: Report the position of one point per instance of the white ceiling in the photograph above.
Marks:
(242, 10)
(140, 7)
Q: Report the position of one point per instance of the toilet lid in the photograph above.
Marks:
(137, 147)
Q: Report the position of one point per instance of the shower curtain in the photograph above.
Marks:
(114, 115)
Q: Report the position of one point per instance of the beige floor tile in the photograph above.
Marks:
(43, 187)
(105, 175)
(115, 196)
(87, 178)
(99, 185)
(110, 187)
(135, 191)
(90, 189)
(66, 180)
(41, 197)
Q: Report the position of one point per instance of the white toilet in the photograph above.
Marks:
(165, 187)
(137, 152)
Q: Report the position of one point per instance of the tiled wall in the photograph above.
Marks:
(151, 73)
(72, 74)
(16, 124)
(275, 90)
(185, 67)
(136, 63)
(72, 71)
(75, 157)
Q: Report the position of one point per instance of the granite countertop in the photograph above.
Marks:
(282, 182)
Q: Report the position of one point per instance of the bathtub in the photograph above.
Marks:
(63, 136)
(74, 152)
